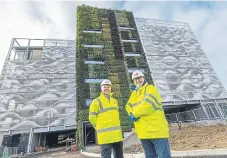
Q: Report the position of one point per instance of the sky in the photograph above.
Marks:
(50, 19)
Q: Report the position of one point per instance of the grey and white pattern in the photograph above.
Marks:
(40, 93)
(179, 66)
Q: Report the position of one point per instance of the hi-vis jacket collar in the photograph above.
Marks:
(103, 95)
(141, 88)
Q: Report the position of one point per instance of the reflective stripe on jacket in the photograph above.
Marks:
(104, 116)
(146, 104)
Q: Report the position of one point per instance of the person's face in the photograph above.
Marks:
(106, 89)
(138, 81)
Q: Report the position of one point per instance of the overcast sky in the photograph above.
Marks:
(58, 20)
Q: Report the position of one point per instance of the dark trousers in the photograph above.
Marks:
(156, 148)
(106, 150)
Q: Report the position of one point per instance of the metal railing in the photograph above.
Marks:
(11, 151)
(209, 112)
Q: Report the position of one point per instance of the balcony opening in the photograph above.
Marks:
(25, 53)
(131, 40)
(131, 70)
(35, 54)
(93, 80)
(26, 49)
(93, 46)
(92, 31)
(94, 62)
(126, 28)
(132, 54)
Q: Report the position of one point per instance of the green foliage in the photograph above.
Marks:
(115, 88)
(106, 36)
(141, 62)
(147, 75)
(130, 19)
(108, 45)
(125, 35)
(97, 71)
(79, 136)
(91, 38)
(138, 47)
(93, 54)
(87, 17)
(127, 47)
(131, 62)
(114, 67)
(117, 68)
(126, 128)
(133, 34)
(122, 19)
(83, 114)
(94, 90)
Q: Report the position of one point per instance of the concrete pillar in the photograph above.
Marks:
(1, 138)
(30, 141)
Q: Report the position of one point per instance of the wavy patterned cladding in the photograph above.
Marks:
(179, 67)
(39, 93)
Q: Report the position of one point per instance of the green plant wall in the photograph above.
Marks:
(126, 19)
(91, 18)
(87, 19)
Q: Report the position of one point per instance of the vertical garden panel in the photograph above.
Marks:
(91, 18)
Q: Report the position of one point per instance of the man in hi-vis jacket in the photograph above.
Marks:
(104, 116)
(145, 110)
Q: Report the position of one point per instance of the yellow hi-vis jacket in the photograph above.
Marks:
(104, 116)
(146, 104)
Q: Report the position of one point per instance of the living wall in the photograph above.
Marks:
(126, 19)
(90, 18)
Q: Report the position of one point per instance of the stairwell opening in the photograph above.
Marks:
(89, 134)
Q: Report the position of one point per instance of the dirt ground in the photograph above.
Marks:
(188, 138)
(192, 138)
(204, 137)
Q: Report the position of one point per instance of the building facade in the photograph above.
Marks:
(181, 70)
(47, 85)
(37, 92)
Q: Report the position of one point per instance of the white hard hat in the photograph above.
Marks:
(136, 74)
(106, 82)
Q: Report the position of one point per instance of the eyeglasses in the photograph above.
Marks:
(137, 78)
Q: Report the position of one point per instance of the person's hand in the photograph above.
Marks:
(133, 118)
(132, 87)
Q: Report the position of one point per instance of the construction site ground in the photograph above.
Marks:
(73, 154)
(199, 137)
(190, 137)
